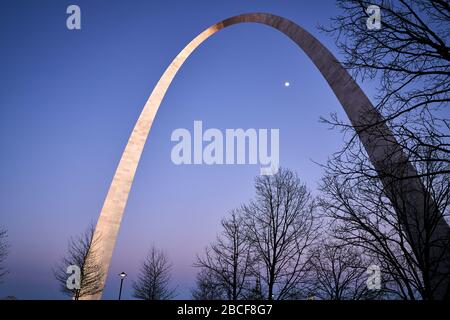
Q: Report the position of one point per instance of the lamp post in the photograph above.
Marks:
(122, 276)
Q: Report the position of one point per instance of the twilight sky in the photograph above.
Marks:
(69, 100)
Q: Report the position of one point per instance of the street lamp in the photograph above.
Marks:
(122, 276)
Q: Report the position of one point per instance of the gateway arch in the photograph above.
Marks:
(367, 121)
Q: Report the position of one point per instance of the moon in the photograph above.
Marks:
(287, 84)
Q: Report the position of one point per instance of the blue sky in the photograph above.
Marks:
(69, 100)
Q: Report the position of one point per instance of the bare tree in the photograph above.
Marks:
(154, 279)
(365, 217)
(206, 286)
(81, 253)
(281, 227)
(4, 247)
(339, 272)
(410, 56)
(229, 258)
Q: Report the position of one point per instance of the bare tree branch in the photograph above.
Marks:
(281, 227)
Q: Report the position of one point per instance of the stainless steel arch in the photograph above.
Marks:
(355, 103)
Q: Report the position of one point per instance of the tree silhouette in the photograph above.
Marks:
(410, 57)
(339, 272)
(229, 258)
(81, 253)
(154, 278)
(364, 217)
